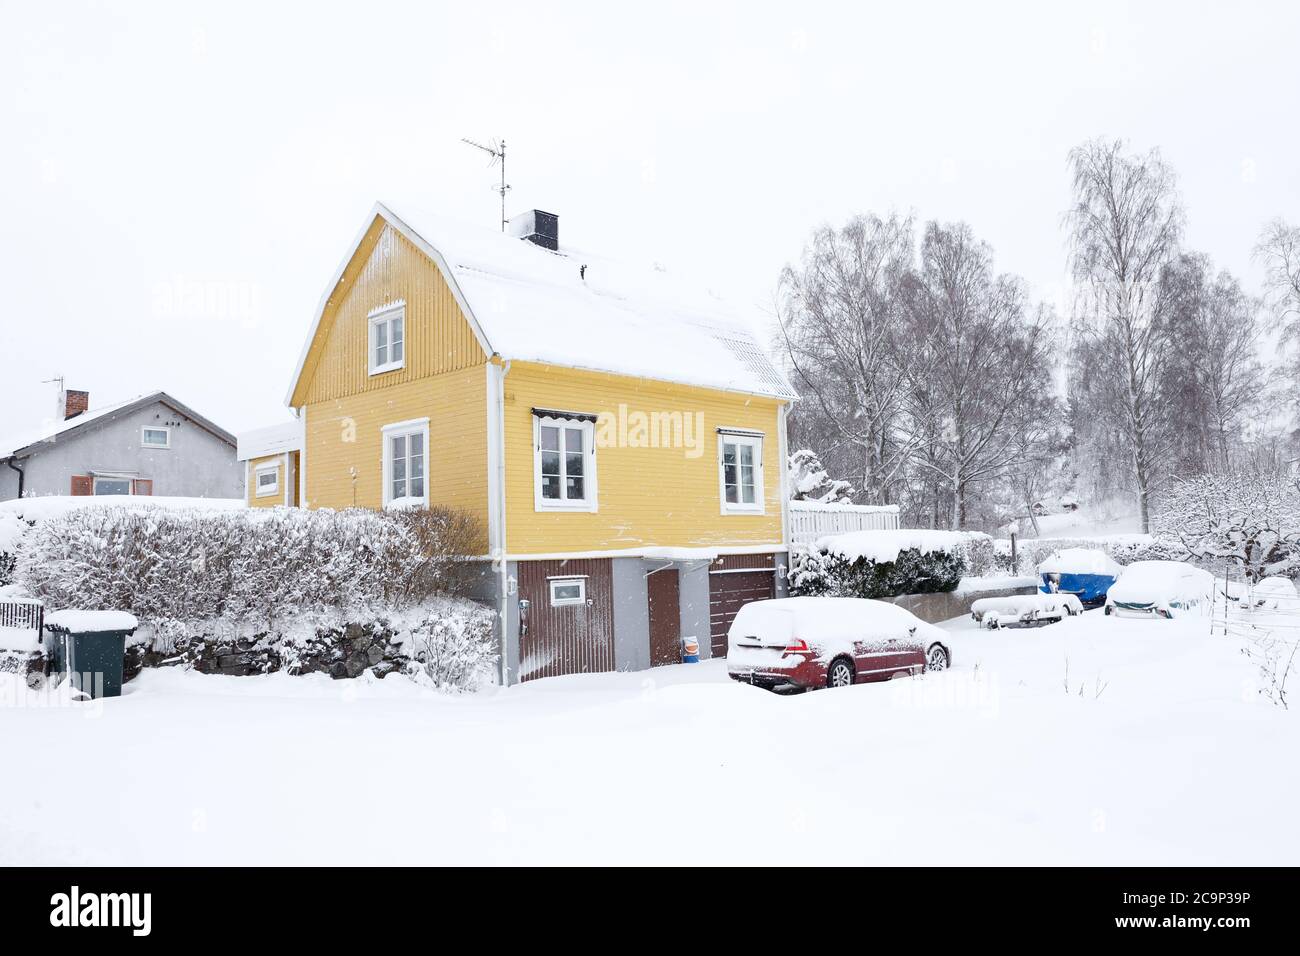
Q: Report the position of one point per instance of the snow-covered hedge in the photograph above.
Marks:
(1123, 549)
(258, 568)
(879, 564)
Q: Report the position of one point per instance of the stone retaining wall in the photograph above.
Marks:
(945, 605)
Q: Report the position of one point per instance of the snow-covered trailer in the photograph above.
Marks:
(1024, 609)
(1083, 572)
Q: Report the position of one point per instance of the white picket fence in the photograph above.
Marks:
(810, 520)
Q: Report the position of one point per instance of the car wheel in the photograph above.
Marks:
(937, 659)
(840, 673)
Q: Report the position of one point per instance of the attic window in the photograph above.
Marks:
(387, 338)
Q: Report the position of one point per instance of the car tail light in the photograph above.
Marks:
(797, 644)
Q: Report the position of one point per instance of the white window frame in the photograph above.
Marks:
(385, 315)
(167, 432)
(587, 503)
(579, 580)
(96, 479)
(754, 440)
(271, 467)
(413, 426)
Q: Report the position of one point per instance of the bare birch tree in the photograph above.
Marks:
(982, 390)
(838, 312)
(1124, 227)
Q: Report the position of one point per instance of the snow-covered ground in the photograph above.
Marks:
(1093, 741)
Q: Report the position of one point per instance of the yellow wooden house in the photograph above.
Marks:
(620, 435)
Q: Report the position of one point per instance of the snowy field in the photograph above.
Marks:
(1093, 741)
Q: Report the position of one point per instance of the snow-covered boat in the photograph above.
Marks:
(1084, 572)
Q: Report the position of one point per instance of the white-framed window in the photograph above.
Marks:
(387, 339)
(564, 463)
(155, 436)
(112, 486)
(740, 471)
(567, 591)
(406, 464)
(266, 479)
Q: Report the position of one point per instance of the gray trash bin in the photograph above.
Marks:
(90, 647)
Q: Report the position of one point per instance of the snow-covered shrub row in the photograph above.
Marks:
(1123, 549)
(879, 564)
(258, 569)
(12, 529)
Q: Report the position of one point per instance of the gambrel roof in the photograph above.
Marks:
(528, 303)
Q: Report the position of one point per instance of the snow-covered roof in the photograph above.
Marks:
(50, 432)
(271, 440)
(532, 304)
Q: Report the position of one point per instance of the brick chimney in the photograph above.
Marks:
(74, 403)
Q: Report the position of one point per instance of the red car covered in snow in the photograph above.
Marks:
(809, 642)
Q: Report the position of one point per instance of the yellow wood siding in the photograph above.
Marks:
(266, 501)
(345, 443)
(647, 497)
(270, 501)
(386, 268)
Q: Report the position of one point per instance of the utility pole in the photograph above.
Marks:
(497, 152)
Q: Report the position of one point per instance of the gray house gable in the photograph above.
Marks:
(152, 444)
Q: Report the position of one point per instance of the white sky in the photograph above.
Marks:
(181, 180)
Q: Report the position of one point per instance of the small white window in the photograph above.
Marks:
(564, 464)
(268, 480)
(406, 457)
(388, 339)
(155, 437)
(740, 472)
(566, 591)
(112, 486)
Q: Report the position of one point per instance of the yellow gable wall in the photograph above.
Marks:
(646, 496)
(444, 379)
(387, 268)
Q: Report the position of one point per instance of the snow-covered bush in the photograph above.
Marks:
(454, 645)
(879, 564)
(808, 480)
(257, 568)
(1251, 521)
(12, 529)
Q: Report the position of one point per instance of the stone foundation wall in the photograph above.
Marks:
(348, 652)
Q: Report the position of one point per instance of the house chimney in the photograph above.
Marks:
(536, 226)
(74, 403)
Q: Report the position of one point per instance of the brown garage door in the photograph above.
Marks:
(664, 594)
(734, 581)
(571, 632)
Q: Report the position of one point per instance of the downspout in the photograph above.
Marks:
(499, 546)
(783, 443)
(22, 476)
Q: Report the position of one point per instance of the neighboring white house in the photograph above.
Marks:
(148, 445)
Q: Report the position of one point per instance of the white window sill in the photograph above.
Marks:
(156, 447)
(390, 367)
(743, 510)
(406, 504)
(579, 506)
(267, 493)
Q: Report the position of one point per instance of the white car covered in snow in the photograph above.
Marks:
(1160, 589)
(1272, 594)
(808, 642)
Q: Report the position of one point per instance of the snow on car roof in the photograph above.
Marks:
(533, 304)
(831, 616)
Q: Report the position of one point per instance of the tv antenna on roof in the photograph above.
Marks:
(496, 150)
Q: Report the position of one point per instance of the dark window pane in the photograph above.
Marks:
(551, 487)
(550, 463)
(575, 489)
